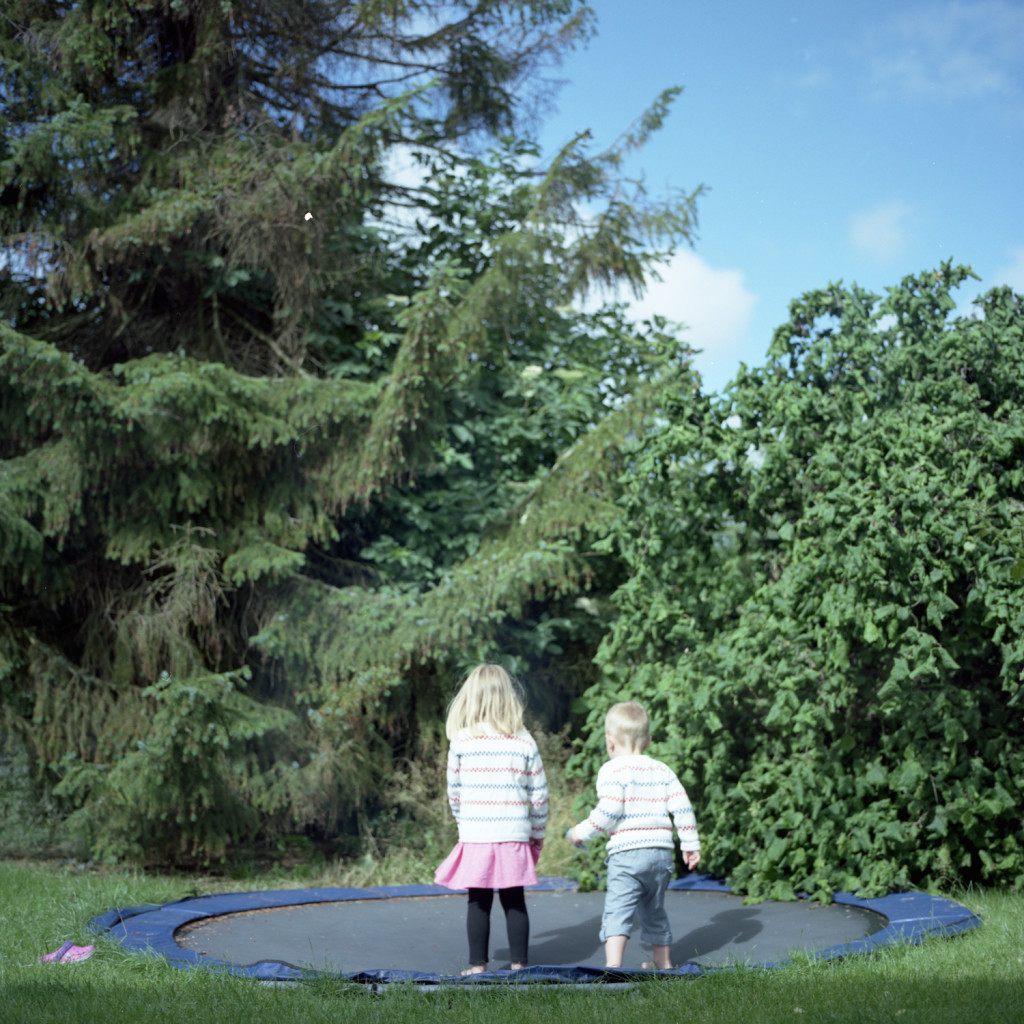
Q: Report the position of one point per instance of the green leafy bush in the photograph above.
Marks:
(825, 615)
(31, 819)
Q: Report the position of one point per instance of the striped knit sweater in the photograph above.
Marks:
(638, 800)
(497, 788)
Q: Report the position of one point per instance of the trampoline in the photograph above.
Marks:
(417, 933)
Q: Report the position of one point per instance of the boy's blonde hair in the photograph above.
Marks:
(489, 695)
(627, 723)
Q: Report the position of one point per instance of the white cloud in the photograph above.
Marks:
(950, 50)
(1013, 273)
(881, 234)
(714, 304)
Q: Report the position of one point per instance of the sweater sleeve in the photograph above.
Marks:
(683, 818)
(454, 782)
(611, 806)
(538, 796)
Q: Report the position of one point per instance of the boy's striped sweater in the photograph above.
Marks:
(638, 800)
(497, 788)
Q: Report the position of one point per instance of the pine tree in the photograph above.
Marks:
(268, 479)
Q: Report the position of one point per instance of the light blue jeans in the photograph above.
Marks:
(637, 880)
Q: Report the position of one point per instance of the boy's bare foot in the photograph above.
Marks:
(517, 967)
(475, 969)
(647, 966)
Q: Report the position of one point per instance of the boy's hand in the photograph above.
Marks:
(571, 836)
(691, 858)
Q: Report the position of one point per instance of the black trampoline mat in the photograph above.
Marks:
(428, 933)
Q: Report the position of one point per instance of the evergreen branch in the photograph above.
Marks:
(289, 361)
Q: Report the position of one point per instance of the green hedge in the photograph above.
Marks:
(825, 614)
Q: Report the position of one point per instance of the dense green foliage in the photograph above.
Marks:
(290, 437)
(268, 481)
(825, 611)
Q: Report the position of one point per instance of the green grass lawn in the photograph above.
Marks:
(976, 977)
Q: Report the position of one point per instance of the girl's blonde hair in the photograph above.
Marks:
(489, 695)
(627, 723)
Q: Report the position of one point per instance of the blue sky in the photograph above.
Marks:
(839, 141)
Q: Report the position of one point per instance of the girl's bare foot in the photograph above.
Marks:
(475, 969)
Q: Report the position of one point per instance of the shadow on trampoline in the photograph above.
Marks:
(573, 942)
(728, 929)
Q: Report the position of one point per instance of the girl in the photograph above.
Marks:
(499, 797)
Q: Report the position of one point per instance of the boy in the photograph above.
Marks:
(639, 799)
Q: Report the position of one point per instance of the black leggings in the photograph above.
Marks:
(478, 923)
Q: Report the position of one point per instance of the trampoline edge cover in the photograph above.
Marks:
(907, 917)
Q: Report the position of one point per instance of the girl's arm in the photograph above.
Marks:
(537, 794)
(454, 783)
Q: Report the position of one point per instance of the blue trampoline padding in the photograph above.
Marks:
(911, 917)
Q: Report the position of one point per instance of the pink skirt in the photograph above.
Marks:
(488, 866)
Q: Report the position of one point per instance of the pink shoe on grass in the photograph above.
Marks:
(76, 953)
(54, 957)
(67, 953)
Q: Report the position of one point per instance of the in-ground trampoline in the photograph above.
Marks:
(417, 933)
